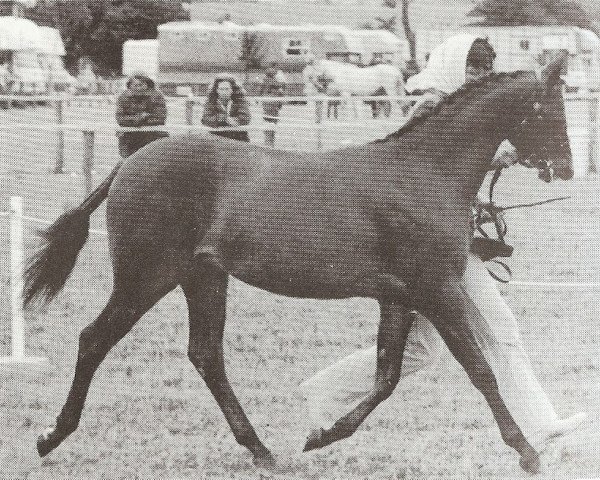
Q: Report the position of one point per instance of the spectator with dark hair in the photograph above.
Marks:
(227, 106)
(141, 105)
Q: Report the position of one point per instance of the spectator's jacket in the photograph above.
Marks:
(215, 115)
(130, 106)
(139, 109)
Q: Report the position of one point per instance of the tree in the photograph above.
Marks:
(387, 23)
(410, 37)
(531, 12)
(390, 23)
(98, 28)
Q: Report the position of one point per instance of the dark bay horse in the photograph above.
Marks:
(388, 220)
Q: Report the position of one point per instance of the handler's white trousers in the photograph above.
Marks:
(337, 389)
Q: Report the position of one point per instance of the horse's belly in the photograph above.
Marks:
(309, 273)
(324, 287)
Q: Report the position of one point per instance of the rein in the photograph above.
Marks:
(499, 223)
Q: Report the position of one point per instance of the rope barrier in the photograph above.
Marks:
(200, 99)
(112, 128)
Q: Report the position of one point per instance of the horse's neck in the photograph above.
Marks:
(461, 147)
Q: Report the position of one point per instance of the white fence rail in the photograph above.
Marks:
(582, 116)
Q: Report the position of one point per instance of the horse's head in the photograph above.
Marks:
(541, 138)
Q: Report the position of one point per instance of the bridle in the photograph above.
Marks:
(495, 210)
(537, 158)
(495, 214)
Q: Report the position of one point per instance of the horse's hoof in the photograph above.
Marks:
(266, 461)
(47, 442)
(530, 463)
(314, 440)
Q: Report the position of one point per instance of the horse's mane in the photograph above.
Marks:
(489, 81)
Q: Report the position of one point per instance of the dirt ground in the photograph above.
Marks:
(149, 414)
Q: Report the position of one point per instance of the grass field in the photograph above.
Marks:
(149, 415)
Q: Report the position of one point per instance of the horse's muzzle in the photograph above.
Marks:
(548, 172)
(564, 173)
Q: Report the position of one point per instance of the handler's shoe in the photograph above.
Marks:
(560, 428)
(566, 425)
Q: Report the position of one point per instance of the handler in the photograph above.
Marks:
(336, 390)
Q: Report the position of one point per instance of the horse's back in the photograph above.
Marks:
(170, 185)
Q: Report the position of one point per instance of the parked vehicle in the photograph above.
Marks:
(190, 53)
(140, 56)
(382, 46)
(31, 57)
(52, 61)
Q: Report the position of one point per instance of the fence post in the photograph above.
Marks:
(16, 287)
(189, 111)
(16, 277)
(88, 159)
(318, 122)
(60, 152)
(594, 151)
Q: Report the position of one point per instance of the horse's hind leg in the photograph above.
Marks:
(450, 317)
(206, 295)
(394, 326)
(118, 317)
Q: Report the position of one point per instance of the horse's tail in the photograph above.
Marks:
(48, 269)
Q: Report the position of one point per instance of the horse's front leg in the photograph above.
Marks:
(394, 326)
(452, 312)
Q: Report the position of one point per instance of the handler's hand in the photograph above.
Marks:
(505, 156)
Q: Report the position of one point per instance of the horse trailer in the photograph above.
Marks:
(140, 56)
(191, 53)
(31, 57)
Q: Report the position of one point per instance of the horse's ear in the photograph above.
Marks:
(551, 74)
